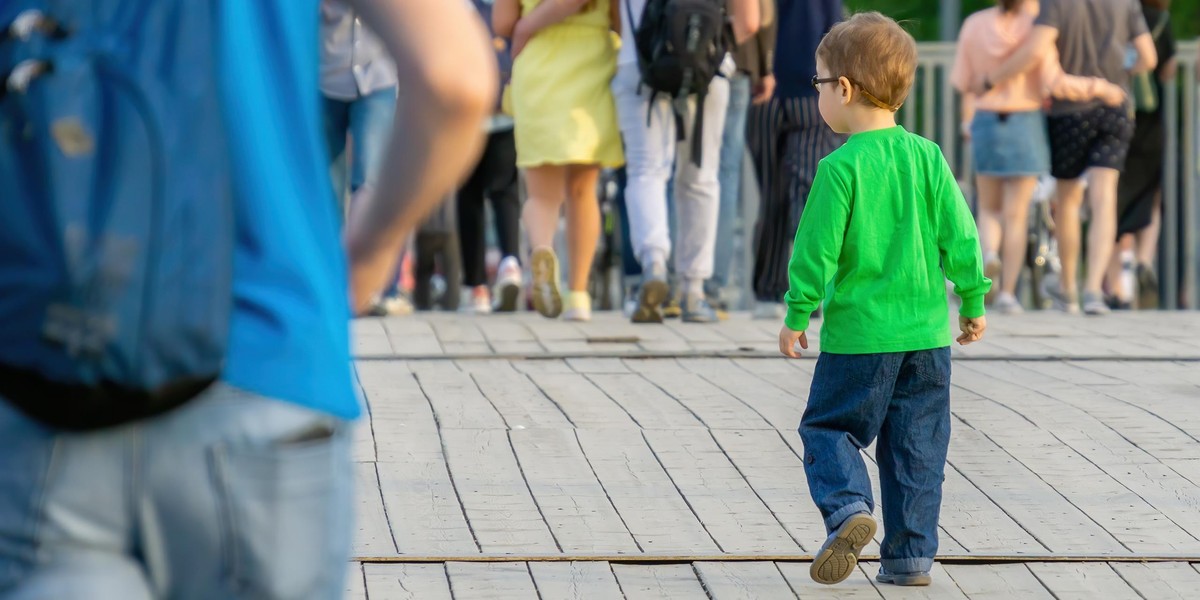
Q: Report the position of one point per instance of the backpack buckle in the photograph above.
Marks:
(32, 21)
(18, 80)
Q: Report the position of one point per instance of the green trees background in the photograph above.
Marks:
(922, 15)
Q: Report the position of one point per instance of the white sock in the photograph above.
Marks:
(693, 288)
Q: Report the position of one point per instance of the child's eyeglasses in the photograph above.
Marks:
(817, 81)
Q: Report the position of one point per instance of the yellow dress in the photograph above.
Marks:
(561, 100)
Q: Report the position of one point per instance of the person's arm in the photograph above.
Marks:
(545, 14)
(1169, 70)
(1040, 41)
(747, 19)
(1058, 84)
(817, 246)
(505, 14)
(958, 243)
(614, 16)
(1147, 55)
(448, 81)
(968, 114)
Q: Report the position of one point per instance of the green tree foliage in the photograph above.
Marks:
(920, 17)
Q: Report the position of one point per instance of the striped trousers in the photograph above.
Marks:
(787, 139)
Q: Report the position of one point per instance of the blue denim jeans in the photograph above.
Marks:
(733, 151)
(903, 399)
(230, 496)
(368, 120)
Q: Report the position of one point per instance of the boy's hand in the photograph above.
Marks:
(972, 329)
(788, 339)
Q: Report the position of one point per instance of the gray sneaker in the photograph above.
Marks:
(1052, 290)
(653, 292)
(1094, 304)
(905, 579)
(1007, 304)
(696, 309)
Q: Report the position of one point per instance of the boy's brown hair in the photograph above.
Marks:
(875, 54)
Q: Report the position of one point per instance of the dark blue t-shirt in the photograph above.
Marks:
(802, 24)
(290, 333)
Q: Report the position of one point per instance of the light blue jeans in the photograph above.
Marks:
(230, 496)
(368, 120)
(733, 151)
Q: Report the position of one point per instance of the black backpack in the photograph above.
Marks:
(680, 46)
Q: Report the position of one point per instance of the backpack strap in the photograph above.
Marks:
(698, 128)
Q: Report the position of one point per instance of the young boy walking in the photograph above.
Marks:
(885, 225)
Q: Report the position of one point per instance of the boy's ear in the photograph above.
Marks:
(847, 90)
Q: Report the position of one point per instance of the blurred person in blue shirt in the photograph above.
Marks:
(245, 491)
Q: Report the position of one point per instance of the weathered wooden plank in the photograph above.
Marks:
(782, 409)
(373, 535)
(401, 417)
(412, 337)
(399, 581)
(712, 405)
(368, 338)
(724, 501)
(1148, 507)
(997, 582)
(942, 588)
(647, 405)
(644, 495)
(364, 440)
(356, 587)
(457, 331)
(575, 581)
(429, 518)
(658, 582)
(1161, 581)
(776, 474)
(558, 336)
(743, 580)
(491, 581)
(574, 504)
(514, 396)
(582, 402)
(455, 398)
(1083, 581)
(589, 366)
(857, 587)
(1026, 498)
(499, 508)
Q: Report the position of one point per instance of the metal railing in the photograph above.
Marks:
(932, 111)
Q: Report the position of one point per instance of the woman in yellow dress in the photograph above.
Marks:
(564, 59)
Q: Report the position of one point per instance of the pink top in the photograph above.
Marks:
(990, 36)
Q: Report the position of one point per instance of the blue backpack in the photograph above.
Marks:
(116, 208)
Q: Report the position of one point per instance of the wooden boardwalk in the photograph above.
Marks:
(513, 457)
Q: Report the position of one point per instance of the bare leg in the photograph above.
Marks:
(583, 223)
(1102, 232)
(1018, 193)
(1068, 199)
(991, 192)
(1147, 239)
(547, 188)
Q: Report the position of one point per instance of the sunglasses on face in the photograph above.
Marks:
(817, 81)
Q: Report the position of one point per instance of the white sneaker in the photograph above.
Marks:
(508, 285)
(1007, 304)
(481, 301)
(578, 307)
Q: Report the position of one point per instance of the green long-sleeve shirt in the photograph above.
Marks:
(885, 225)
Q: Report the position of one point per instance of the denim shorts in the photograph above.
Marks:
(1010, 144)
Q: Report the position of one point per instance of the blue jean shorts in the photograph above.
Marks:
(1010, 144)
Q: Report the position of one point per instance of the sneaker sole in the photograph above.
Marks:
(913, 580)
(510, 297)
(649, 309)
(547, 300)
(836, 562)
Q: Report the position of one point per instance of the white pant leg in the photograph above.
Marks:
(698, 188)
(649, 151)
